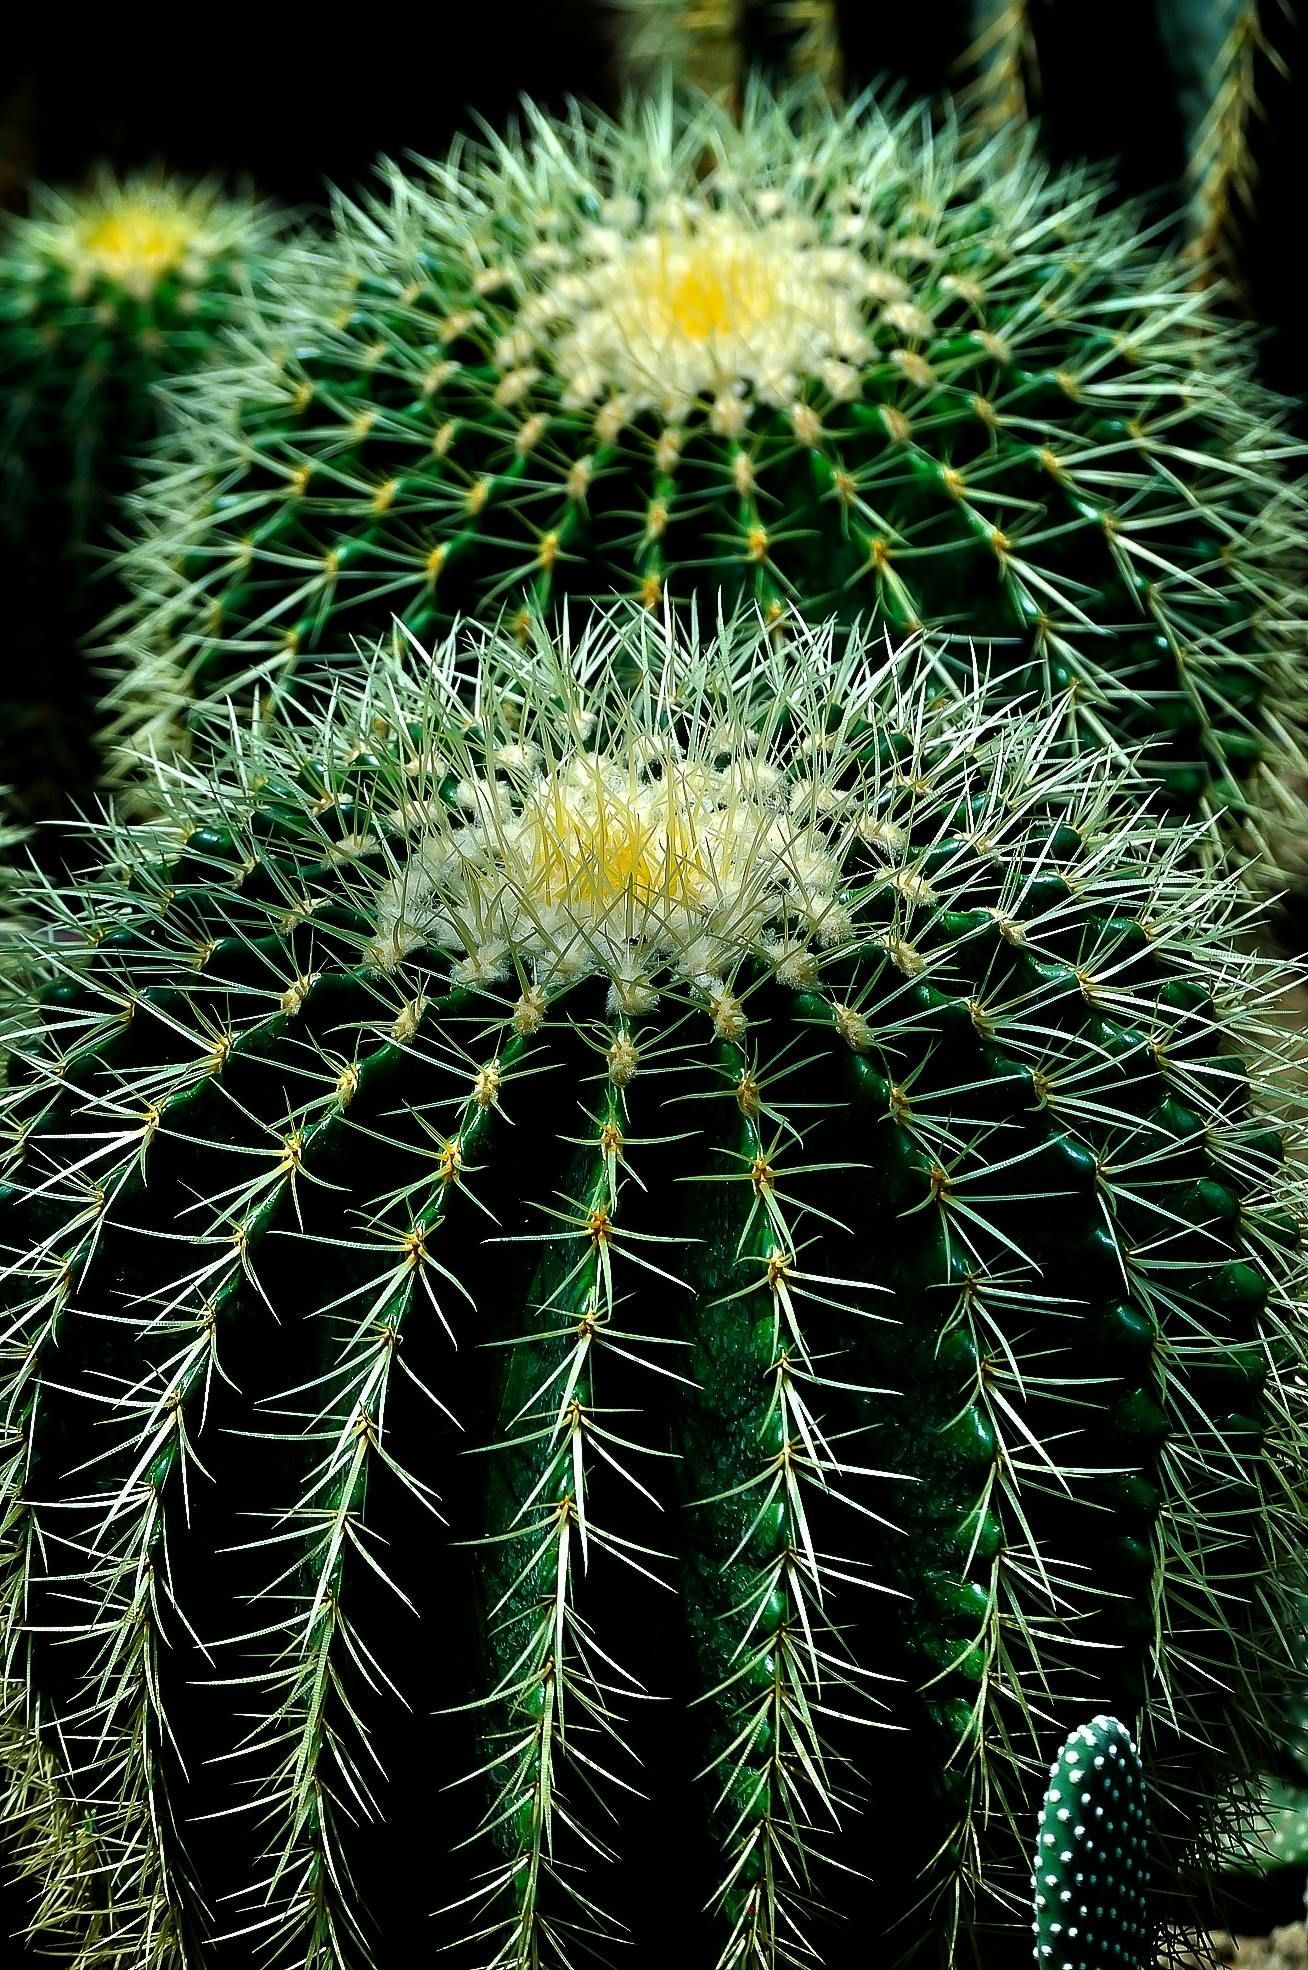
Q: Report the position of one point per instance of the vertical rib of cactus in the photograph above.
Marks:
(301, 1903)
(557, 1707)
(759, 1583)
(143, 1482)
(1002, 59)
(76, 1874)
(113, 1709)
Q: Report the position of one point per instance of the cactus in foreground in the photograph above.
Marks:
(572, 1123)
(103, 295)
(825, 360)
(1091, 1873)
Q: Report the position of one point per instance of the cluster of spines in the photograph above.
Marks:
(1060, 454)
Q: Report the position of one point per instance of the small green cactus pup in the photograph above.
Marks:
(824, 360)
(628, 1265)
(104, 294)
(1091, 1876)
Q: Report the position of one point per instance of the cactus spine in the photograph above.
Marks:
(849, 369)
(841, 1141)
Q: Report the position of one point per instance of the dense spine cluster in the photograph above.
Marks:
(629, 1267)
(830, 362)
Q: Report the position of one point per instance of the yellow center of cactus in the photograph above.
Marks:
(683, 288)
(137, 241)
(133, 237)
(589, 849)
(716, 304)
(623, 866)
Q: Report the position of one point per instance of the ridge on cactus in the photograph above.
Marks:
(830, 361)
(630, 1261)
(1091, 1874)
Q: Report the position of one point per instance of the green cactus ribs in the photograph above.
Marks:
(848, 368)
(1091, 1880)
(627, 1264)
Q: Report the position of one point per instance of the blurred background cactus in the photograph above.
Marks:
(103, 294)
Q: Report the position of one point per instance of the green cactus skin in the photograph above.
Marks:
(104, 294)
(851, 369)
(1091, 1877)
(627, 1267)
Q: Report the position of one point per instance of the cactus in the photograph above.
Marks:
(102, 295)
(712, 44)
(849, 370)
(1091, 1873)
(1277, 1836)
(567, 1121)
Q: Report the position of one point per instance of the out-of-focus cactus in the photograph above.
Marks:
(103, 295)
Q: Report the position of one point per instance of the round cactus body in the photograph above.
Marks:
(103, 295)
(632, 1271)
(825, 361)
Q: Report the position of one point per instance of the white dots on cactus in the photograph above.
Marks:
(1096, 1791)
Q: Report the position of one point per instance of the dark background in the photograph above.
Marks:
(285, 102)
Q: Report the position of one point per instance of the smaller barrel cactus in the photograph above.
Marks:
(832, 362)
(1091, 1873)
(103, 294)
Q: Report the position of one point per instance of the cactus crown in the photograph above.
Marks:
(839, 1139)
(128, 233)
(834, 361)
(131, 235)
